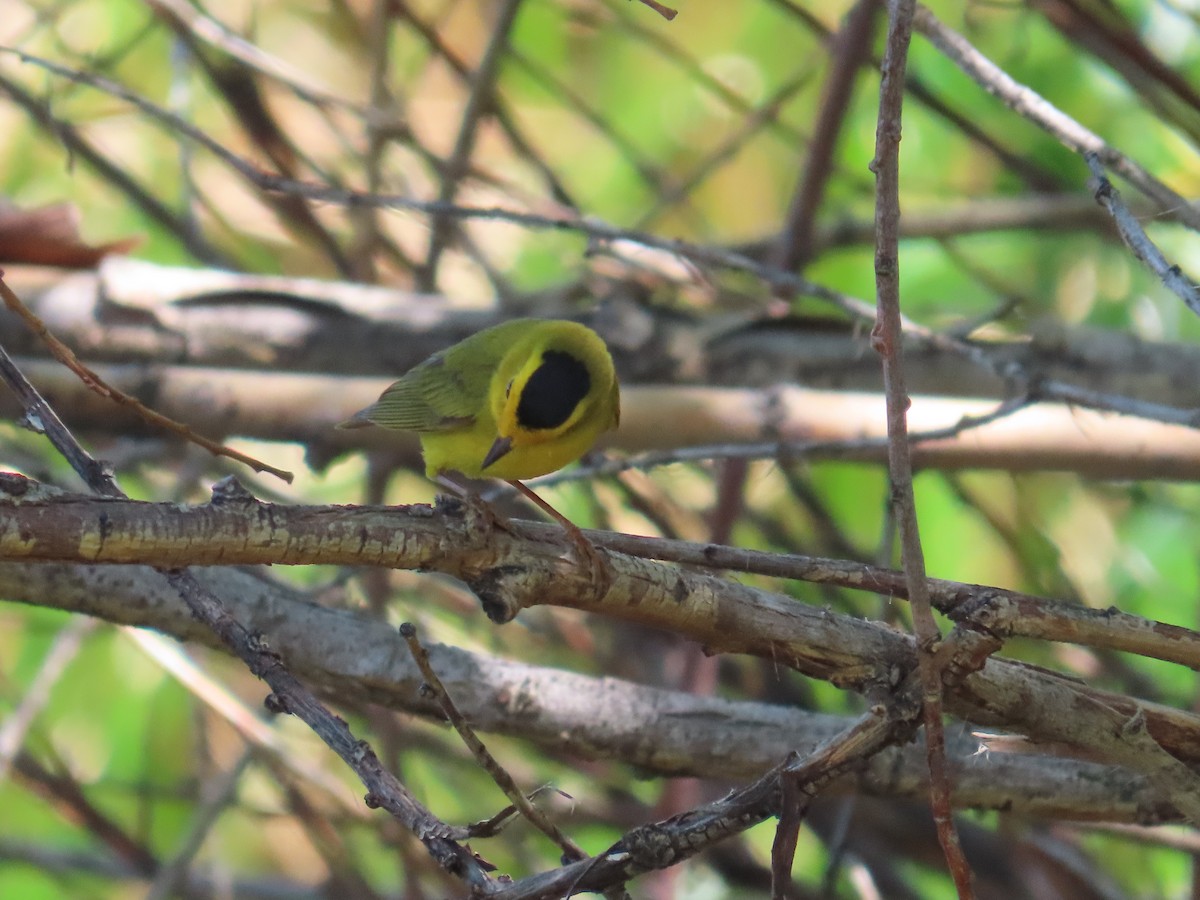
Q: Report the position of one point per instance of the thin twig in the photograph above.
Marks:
(1037, 109)
(478, 103)
(67, 357)
(850, 49)
(887, 340)
(41, 417)
(61, 652)
(503, 779)
(1144, 250)
(665, 11)
(384, 789)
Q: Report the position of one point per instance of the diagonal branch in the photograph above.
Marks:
(94, 382)
(1136, 239)
(1027, 103)
(384, 789)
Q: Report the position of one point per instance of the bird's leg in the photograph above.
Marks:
(598, 567)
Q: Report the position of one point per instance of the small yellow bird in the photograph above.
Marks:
(514, 401)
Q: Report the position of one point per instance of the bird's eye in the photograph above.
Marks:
(508, 389)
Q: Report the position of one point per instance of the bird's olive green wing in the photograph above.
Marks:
(430, 397)
(450, 389)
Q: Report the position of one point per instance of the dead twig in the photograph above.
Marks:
(887, 341)
(67, 357)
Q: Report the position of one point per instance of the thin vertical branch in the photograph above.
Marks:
(851, 49)
(570, 850)
(886, 338)
(381, 127)
(478, 103)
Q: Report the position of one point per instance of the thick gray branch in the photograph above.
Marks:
(665, 732)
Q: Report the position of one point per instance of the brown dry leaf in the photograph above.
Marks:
(49, 236)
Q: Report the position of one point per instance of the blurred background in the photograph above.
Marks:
(253, 216)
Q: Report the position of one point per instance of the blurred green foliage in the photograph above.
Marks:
(637, 108)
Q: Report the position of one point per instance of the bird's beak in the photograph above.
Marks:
(499, 448)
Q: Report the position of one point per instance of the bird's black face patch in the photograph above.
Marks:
(553, 391)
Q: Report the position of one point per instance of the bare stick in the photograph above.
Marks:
(1135, 237)
(1037, 109)
(288, 693)
(503, 779)
(665, 11)
(218, 534)
(886, 338)
(67, 357)
(478, 103)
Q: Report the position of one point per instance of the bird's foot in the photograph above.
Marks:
(480, 517)
(592, 560)
(483, 519)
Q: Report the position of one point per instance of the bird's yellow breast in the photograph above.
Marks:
(530, 395)
(464, 451)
